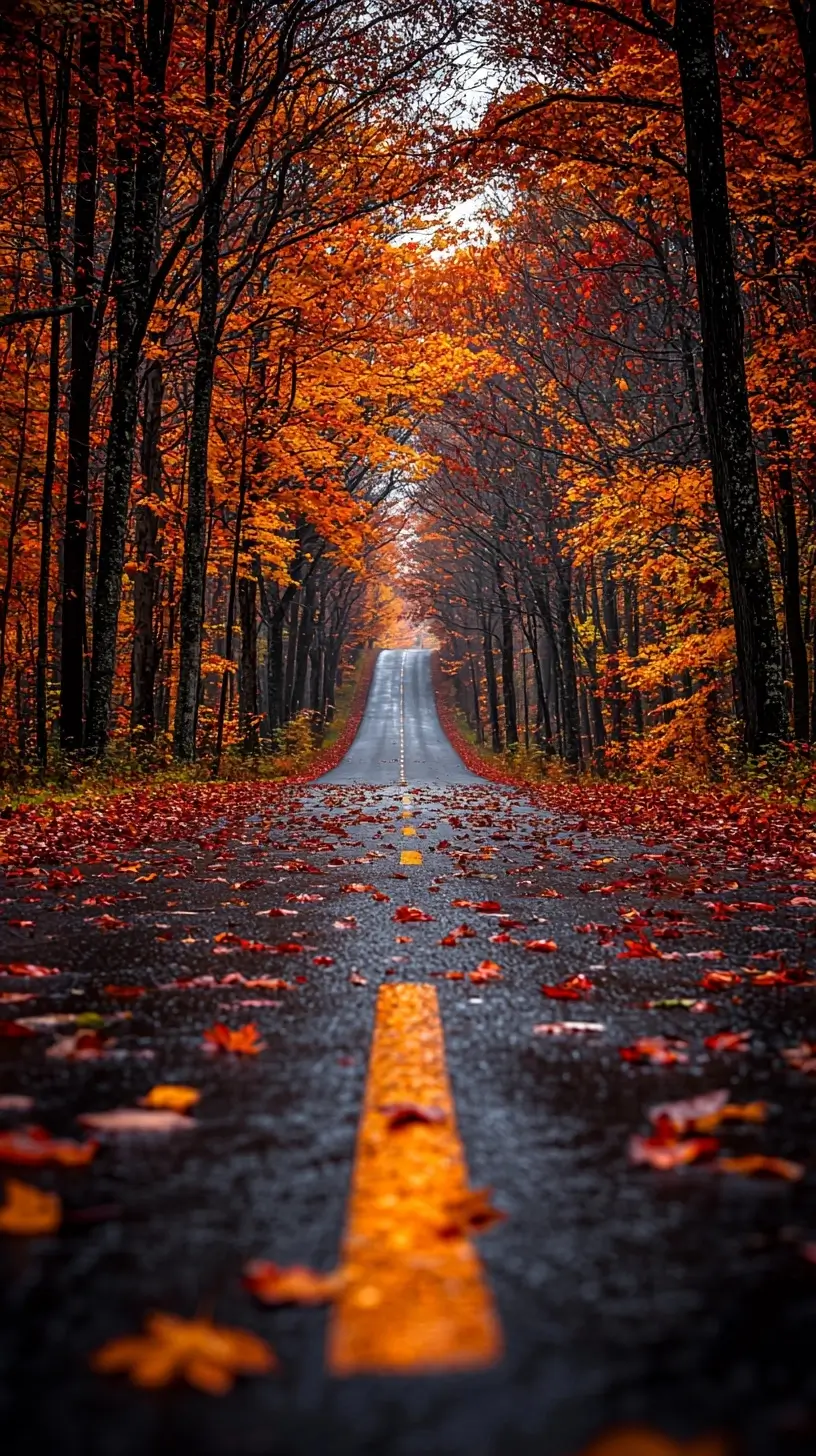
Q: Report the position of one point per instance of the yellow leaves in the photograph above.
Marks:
(27, 1210)
(206, 1355)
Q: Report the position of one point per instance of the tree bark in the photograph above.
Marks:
(725, 394)
(146, 647)
(507, 662)
(248, 671)
(84, 342)
(492, 688)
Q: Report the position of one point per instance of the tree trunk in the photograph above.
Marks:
(14, 521)
(612, 632)
(492, 689)
(569, 680)
(725, 394)
(248, 670)
(146, 648)
(84, 341)
(477, 712)
(305, 635)
(507, 663)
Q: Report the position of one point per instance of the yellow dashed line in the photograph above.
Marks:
(409, 829)
(411, 856)
(414, 1301)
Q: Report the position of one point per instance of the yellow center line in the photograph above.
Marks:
(408, 829)
(411, 857)
(415, 1299)
(406, 799)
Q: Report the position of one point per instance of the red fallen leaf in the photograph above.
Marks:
(574, 988)
(403, 939)
(356, 889)
(645, 1441)
(728, 1041)
(680, 1116)
(666, 1153)
(14, 1029)
(550, 895)
(109, 922)
(124, 993)
(244, 1040)
(403, 1114)
(226, 939)
(379, 896)
(640, 950)
(408, 914)
(718, 980)
(28, 968)
(276, 914)
(305, 899)
(542, 945)
(295, 1285)
(266, 983)
(287, 947)
(471, 1213)
(661, 1051)
(21, 924)
(801, 1057)
(754, 1163)
(485, 971)
(453, 937)
(34, 1147)
(82, 1046)
(322, 960)
(449, 975)
(355, 979)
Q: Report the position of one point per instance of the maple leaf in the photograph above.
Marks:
(640, 949)
(484, 907)
(244, 1040)
(28, 968)
(171, 1095)
(662, 1051)
(356, 889)
(33, 1147)
(409, 914)
(728, 1041)
(27, 1210)
(471, 1213)
(403, 1114)
(574, 988)
(665, 1153)
(297, 1284)
(461, 932)
(540, 945)
(718, 980)
(206, 1355)
(485, 971)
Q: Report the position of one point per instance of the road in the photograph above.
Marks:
(610, 1294)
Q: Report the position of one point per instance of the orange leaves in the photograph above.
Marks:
(244, 1041)
(272, 1284)
(471, 1213)
(640, 949)
(483, 907)
(461, 932)
(574, 988)
(410, 914)
(27, 1210)
(33, 1147)
(172, 1096)
(719, 980)
(540, 945)
(206, 1355)
(728, 1041)
(757, 1164)
(484, 972)
(661, 1051)
(642, 1441)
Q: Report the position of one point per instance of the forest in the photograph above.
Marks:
(323, 322)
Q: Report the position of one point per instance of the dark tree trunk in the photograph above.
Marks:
(146, 647)
(84, 341)
(248, 670)
(507, 663)
(569, 679)
(274, 663)
(632, 620)
(613, 642)
(792, 589)
(477, 712)
(305, 636)
(492, 687)
(725, 394)
(291, 654)
(804, 14)
(139, 188)
(14, 521)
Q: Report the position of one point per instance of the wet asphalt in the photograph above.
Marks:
(681, 1300)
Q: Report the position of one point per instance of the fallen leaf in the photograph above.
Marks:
(273, 1284)
(665, 1153)
(640, 949)
(801, 1057)
(719, 980)
(641, 1441)
(563, 1028)
(471, 1213)
(728, 1041)
(33, 1147)
(462, 932)
(754, 1163)
(403, 1114)
(356, 889)
(408, 914)
(83, 1046)
(243, 1040)
(124, 993)
(322, 960)
(542, 945)
(171, 1095)
(574, 988)
(135, 1119)
(28, 968)
(27, 1210)
(355, 979)
(662, 1051)
(206, 1355)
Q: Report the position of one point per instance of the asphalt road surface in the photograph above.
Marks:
(679, 1300)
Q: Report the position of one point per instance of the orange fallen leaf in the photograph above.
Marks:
(662, 1051)
(206, 1355)
(664, 1153)
(27, 1210)
(27, 968)
(471, 1213)
(295, 1285)
(244, 1039)
(171, 1095)
(540, 945)
(718, 980)
(728, 1041)
(33, 1147)
(408, 914)
(758, 1163)
(461, 932)
(356, 889)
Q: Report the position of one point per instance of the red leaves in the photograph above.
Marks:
(244, 1040)
(640, 950)
(574, 988)
(485, 971)
(33, 1147)
(540, 945)
(660, 1051)
(410, 914)
(665, 1153)
(27, 968)
(404, 1114)
(484, 907)
(357, 889)
(719, 980)
(801, 1057)
(462, 932)
(82, 1046)
(472, 1213)
(728, 1041)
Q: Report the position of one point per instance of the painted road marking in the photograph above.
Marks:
(411, 856)
(414, 1302)
(409, 829)
(406, 799)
